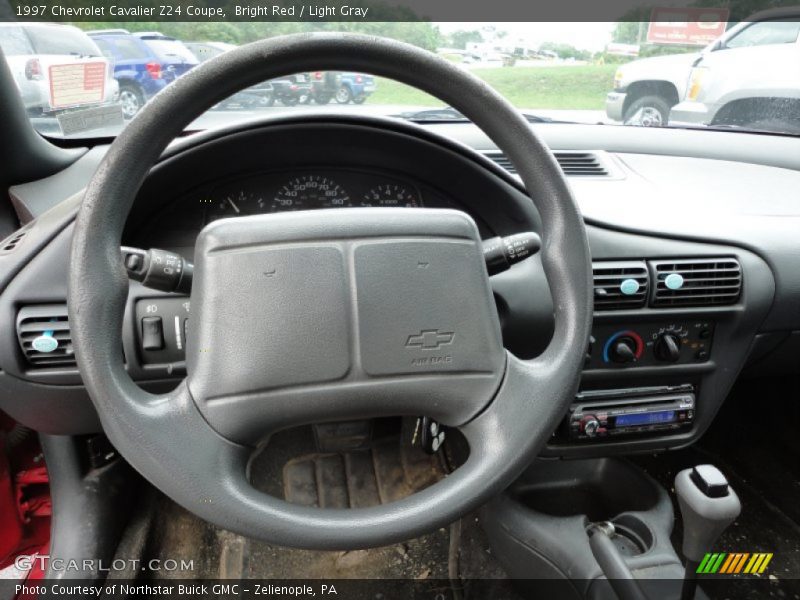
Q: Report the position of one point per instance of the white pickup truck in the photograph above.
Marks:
(645, 90)
(748, 78)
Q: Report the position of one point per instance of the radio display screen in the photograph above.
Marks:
(632, 420)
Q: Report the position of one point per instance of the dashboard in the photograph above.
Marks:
(645, 222)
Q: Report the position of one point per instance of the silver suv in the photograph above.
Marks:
(748, 78)
(56, 67)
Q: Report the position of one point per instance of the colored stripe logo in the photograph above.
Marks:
(734, 563)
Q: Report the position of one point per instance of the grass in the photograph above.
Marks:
(582, 87)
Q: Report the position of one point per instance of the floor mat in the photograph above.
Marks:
(386, 472)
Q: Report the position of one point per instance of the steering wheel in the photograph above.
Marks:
(318, 316)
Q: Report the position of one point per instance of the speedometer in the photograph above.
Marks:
(308, 192)
(391, 194)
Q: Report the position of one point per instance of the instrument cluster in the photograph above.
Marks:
(305, 190)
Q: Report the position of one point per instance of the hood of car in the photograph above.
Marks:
(657, 65)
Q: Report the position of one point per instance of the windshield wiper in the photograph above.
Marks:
(787, 128)
(448, 114)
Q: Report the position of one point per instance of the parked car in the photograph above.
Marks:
(36, 52)
(144, 63)
(344, 87)
(204, 51)
(748, 78)
(355, 87)
(290, 90)
(261, 94)
(324, 86)
(645, 90)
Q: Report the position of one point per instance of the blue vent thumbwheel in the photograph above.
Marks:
(674, 281)
(45, 342)
(629, 287)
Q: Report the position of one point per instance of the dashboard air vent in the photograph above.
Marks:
(580, 164)
(15, 239)
(573, 164)
(697, 282)
(619, 284)
(44, 336)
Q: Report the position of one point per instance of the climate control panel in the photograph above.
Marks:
(649, 344)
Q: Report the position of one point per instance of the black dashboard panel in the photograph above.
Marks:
(357, 162)
(281, 190)
(216, 174)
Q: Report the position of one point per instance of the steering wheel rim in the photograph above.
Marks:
(166, 437)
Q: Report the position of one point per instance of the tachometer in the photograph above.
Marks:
(391, 194)
(307, 192)
(236, 203)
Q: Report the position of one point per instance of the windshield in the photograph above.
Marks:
(659, 73)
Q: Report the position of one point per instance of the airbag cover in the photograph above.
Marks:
(356, 312)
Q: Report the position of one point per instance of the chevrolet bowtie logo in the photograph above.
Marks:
(430, 339)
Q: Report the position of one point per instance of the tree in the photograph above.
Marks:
(565, 51)
(741, 9)
(460, 38)
(422, 34)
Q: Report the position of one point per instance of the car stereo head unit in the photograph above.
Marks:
(640, 411)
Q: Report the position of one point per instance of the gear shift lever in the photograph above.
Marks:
(708, 505)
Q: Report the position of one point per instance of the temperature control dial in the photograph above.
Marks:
(623, 347)
(623, 350)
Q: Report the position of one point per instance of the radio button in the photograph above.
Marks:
(590, 426)
(152, 333)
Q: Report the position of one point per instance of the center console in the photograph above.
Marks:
(668, 337)
(538, 528)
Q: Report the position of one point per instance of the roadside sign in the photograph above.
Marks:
(686, 26)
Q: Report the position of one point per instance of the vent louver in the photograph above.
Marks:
(619, 284)
(573, 164)
(44, 336)
(15, 239)
(697, 282)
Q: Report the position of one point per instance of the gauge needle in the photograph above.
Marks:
(236, 208)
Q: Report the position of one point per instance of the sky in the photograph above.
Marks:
(584, 36)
